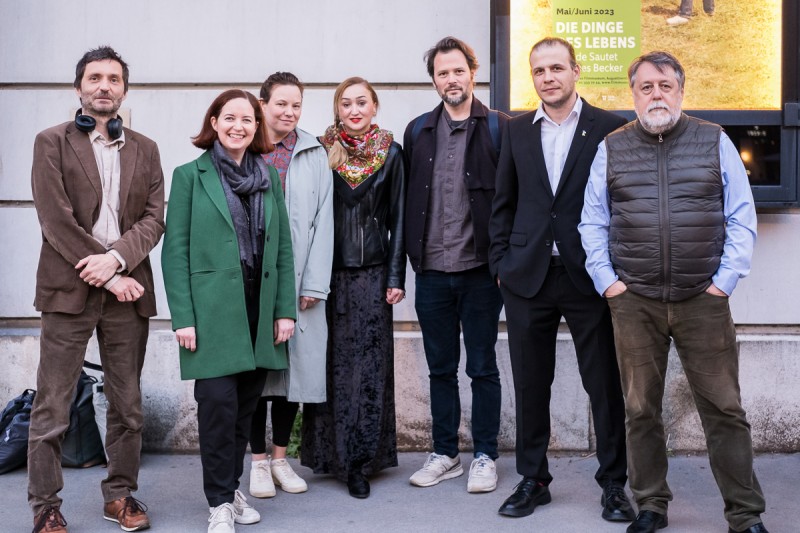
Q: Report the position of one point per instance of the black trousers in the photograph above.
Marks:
(283, 414)
(225, 407)
(532, 330)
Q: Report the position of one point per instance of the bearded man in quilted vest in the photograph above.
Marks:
(669, 226)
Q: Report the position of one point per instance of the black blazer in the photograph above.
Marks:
(527, 217)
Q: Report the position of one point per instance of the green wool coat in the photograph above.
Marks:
(203, 275)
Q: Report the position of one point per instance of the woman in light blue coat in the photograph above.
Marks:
(306, 178)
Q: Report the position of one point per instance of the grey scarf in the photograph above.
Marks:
(248, 180)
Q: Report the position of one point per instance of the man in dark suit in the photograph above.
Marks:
(98, 189)
(538, 261)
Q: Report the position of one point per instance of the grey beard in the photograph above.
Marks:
(659, 125)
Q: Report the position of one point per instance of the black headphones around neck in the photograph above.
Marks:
(87, 124)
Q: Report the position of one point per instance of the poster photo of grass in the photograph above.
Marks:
(732, 57)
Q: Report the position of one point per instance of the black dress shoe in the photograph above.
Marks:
(357, 485)
(756, 528)
(648, 522)
(527, 495)
(616, 506)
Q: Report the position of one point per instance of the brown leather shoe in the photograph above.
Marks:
(49, 520)
(128, 512)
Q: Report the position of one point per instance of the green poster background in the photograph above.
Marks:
(606, 35)
(732, 59)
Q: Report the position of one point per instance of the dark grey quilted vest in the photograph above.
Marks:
(667, 225)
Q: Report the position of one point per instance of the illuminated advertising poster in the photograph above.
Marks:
(730, 49)
(606, 37)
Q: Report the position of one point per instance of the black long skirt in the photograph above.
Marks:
(355, 429)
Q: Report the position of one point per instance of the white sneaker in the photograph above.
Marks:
(285, 477)
(261, 485)
(437, 468)
(244, 512)
(677, 20)
(221, 519)
(482, 474)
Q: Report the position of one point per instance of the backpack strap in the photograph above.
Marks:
(92, 366)
(494, 129)
(418, 126)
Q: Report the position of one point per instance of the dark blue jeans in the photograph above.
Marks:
(447, 303)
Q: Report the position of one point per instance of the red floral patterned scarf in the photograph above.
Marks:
(366, 153)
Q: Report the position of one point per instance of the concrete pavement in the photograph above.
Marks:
(171, 486)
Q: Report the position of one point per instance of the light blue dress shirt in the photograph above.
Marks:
(738, 209)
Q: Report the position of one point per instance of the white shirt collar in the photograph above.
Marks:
(576, 110)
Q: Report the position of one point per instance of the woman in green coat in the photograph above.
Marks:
(229, 276)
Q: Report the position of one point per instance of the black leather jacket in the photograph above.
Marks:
(368, 220)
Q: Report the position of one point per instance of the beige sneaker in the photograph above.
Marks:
(677, 20)
(221, 519)
(285, 477)
(261, 485)
(482, 474)
(436, 469)
(243, 511)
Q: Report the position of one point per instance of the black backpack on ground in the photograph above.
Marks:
(15, 422)
(82, 446)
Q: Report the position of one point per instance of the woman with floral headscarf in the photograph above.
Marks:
(352, 435)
